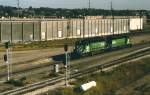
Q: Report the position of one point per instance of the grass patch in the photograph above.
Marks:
(40, 44)
(20, 82)
(15, 82)
(109, 82)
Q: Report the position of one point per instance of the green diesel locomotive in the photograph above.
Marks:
(96, 45)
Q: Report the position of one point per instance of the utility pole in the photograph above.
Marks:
(89, 4)
(68, 27)
(141, 12)
(89, 7)
(18, 4)
(112, 14)
(83, 26)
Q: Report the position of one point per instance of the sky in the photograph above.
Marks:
(100, 4)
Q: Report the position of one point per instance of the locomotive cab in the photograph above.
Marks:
(81, 47)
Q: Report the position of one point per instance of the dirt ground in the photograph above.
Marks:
(140, 38)
(22, 56)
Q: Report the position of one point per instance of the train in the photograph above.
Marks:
(22, 31)
(91, 46)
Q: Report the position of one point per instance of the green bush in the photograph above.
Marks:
(15, 82)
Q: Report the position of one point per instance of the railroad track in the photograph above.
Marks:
(123, 59)
(46, 57)
(49, 67)
(25, 72)
(46, 67)
(80, 73)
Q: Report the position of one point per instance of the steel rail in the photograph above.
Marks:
(88, 70)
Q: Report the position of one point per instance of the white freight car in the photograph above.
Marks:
(136, 23)
(51, 29)
(78, 28)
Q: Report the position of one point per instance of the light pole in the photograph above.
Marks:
(66, 64)
(7, 59)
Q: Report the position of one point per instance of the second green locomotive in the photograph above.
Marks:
(98, 44)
